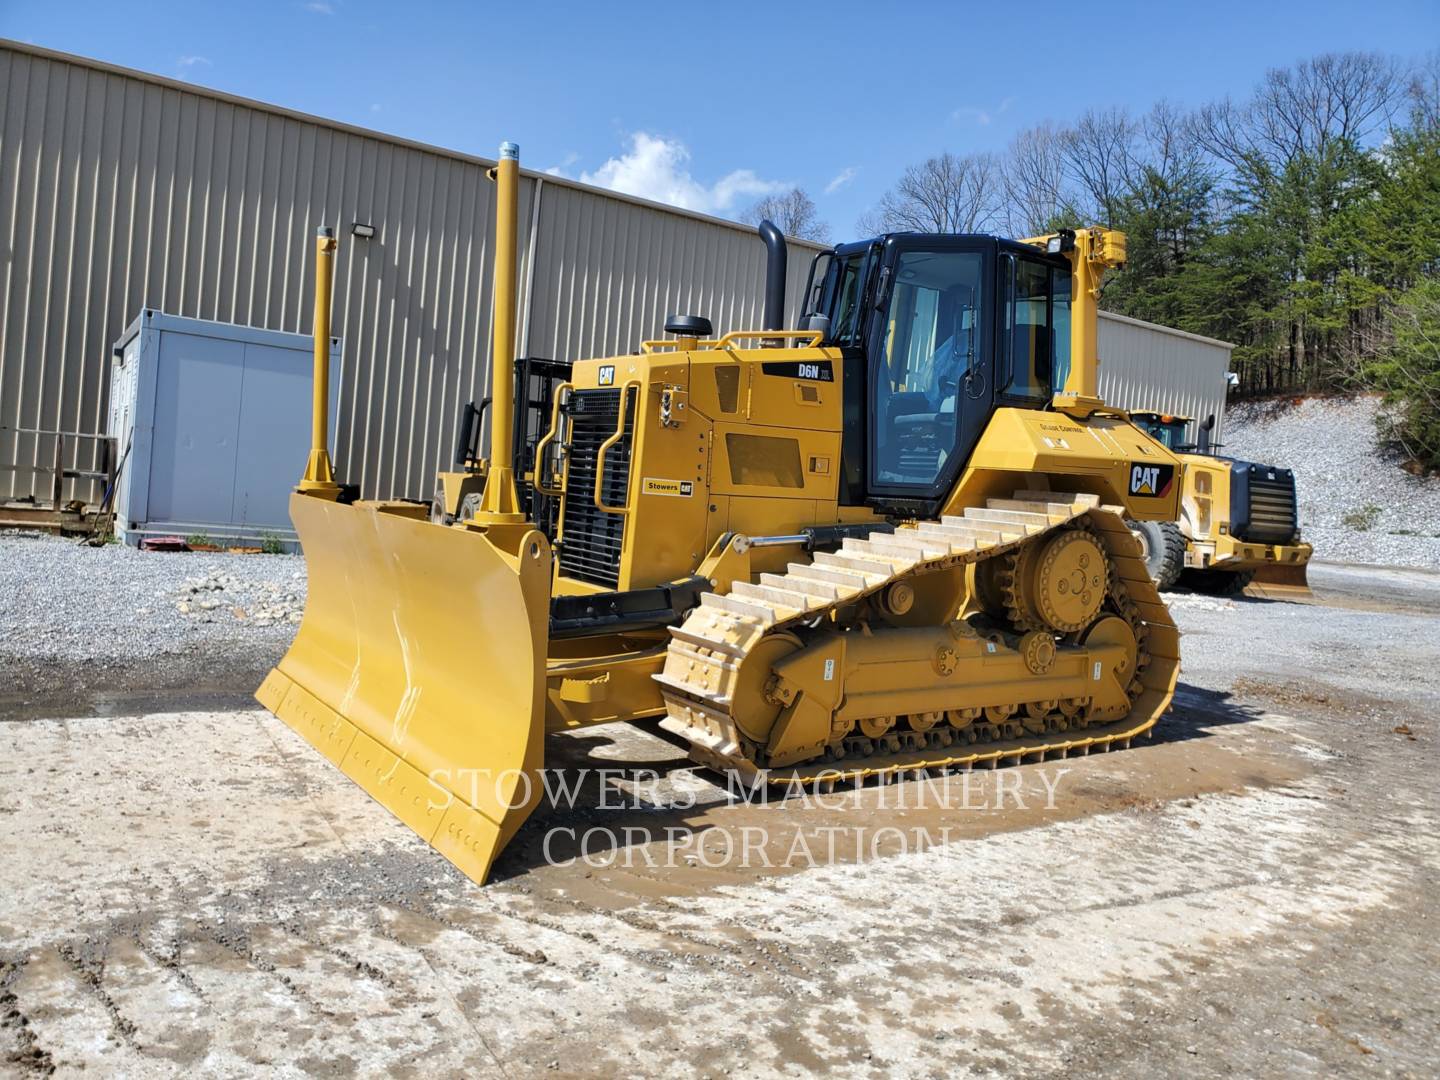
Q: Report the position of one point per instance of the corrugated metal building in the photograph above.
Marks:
(1144, 366)
(122, 191)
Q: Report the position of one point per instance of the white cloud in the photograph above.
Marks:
(984, 115)
(843, 177)
(658, 168)
(559, 170)
(375, 107)
(322, 7)
(186, 65)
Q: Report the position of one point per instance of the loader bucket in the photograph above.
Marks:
(1280, 581)
(419, 669)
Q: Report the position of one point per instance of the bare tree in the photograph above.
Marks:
(1100, 154)
(1034, 177)
(1334, 96)
(1170, 191)
(1169, 143)
(945, 194)
(793, 213)
(1424, 92)
(1297, 110)
(1221, 127)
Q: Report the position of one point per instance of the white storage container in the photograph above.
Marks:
(212, 421)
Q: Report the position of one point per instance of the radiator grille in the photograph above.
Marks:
(591, 539)
(1272, 507)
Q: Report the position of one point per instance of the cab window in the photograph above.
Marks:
(1060, 327)
(844, 280)
(929, 347)
(1036, 335)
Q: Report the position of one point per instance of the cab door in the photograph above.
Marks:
(843, 294)
(931, 377)
(1034, 343)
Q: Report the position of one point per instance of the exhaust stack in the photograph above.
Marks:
(500, 504)
(319, 476)
(776, 256)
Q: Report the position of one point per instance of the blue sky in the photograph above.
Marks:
(710, 105)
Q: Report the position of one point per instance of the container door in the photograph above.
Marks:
(197, 404)
(274, 436)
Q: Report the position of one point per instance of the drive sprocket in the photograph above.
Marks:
(1058, 585)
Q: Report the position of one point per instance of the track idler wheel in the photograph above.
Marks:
(1113, 630)
(756, 704)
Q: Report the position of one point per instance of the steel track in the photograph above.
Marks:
(707, 650)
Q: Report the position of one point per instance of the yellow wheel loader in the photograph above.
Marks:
(890, 539)
(1238, 527)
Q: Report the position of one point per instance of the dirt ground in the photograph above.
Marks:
(1252, 891)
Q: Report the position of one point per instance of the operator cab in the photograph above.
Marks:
(1167, 430)
(936, 331)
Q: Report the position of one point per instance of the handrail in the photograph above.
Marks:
(612, 440)
(814, 338)
(651, 345)
(547, 439)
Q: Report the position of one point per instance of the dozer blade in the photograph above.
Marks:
(419, 670)
(1280, 581)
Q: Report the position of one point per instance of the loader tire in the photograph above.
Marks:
(1217, 582)
(1164, 546)
(438, 514)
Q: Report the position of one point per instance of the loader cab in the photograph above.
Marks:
(936, 331)
(1166, 429)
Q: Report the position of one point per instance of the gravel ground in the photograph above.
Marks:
(1252, 892)
(137, 620)
(193, 626)
(1357, 504)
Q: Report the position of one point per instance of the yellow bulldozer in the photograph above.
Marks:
(890, 539)
(1239, 521)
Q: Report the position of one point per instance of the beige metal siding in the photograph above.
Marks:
(1144, 366)
(119, 194)
(608, 272)
(120, 191)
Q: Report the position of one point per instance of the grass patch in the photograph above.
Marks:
(1362, 520)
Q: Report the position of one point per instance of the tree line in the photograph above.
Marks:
(1301, 223)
